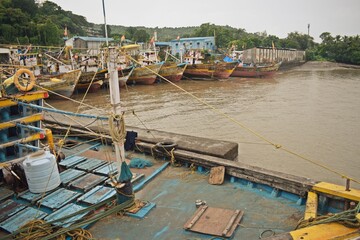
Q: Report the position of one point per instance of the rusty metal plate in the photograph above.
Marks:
(214, 221)
(217, 175)
(9, 208)
(87, 182)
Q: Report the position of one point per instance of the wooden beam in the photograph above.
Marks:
(311, 206)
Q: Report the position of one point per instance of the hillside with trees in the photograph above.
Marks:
(24, 22)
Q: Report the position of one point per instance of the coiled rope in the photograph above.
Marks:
(347, 218)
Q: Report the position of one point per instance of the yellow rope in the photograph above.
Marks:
(117, 133)
(276, 145)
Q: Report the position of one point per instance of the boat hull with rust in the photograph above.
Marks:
(256, 71)
(210, 71)
(172, 71)
(145, 75)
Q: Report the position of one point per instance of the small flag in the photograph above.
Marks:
(123, 38)
(65, 31)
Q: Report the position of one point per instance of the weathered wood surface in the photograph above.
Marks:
(217, 148)
(281, 181)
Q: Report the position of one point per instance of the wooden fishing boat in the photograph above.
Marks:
(211, 71)
(96, 80)
(243, 70)
(124, 74)
(59, 85)
(145, 74)
(83, 87)
(172, 71)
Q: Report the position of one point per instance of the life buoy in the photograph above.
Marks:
(29, 85)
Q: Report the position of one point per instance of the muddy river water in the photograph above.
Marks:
(312, 110)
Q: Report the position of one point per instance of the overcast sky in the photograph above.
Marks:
(276, 17)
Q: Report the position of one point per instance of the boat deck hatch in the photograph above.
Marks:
(9, 208)
(71, 161)
(59, 198)
(21, 218)
(70, 175)
(87, 182)
(90, 164)
(214, 221)
(97, 194)
(65, 211)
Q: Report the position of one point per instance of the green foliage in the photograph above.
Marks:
(25, 22)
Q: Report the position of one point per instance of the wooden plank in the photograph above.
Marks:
(311, 206)
(282, 181)
(196, 217)
(337, 190)
(217, 175)
(214, 221)
(218, 148)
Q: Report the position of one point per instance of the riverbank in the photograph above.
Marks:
(326, 65)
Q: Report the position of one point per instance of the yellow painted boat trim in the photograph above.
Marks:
(34, 137)
(325, 231)
(337, 190)
(28, 97)
(311, 206)
(27, 119)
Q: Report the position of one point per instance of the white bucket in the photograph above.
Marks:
(42, 173)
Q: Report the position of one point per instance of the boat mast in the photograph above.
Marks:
(115, 98)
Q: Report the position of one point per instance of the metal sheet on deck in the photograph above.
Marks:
(32, 197)
(9, 208)
(21, 218)
(71, 161)
(108, 168)
(65, 211)
(59, 198)
(70, 175)
(87, 182)
(97, 194)
(90, 164)
(5, 193)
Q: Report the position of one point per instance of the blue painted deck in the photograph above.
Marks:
(175, 190)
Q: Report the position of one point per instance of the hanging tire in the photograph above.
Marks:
(29, 85)
(165, 146)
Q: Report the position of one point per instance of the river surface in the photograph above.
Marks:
(312, 110)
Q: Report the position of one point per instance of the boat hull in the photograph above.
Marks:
(210, 71)
(172, 72)
(96, 85)
(145, 75)
(256, 72)
(60, 85)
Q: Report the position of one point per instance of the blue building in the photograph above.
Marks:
(184, 44)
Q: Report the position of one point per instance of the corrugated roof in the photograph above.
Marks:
(94, 39)
(193, 39)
